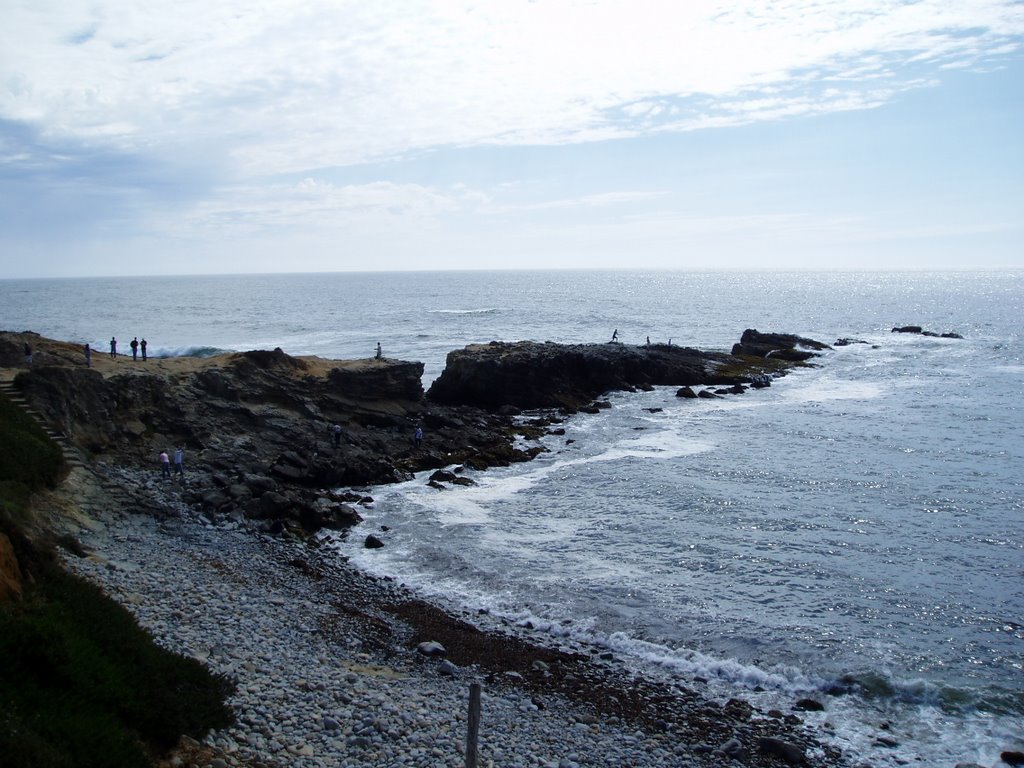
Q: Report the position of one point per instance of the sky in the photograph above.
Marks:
(195, 137)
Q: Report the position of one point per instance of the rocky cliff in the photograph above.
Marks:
(257, 427)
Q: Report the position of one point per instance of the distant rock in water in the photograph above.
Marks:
(919, 330)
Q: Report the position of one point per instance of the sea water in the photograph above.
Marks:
(856, 527)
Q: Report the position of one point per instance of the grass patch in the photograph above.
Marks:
(27, 454)
(81, 684)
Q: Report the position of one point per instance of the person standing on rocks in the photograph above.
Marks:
(142, 346)
(113, 348)
(165, 465)
(88, 356)
(615, 334)
(28, 353)
(417, 437)
(135, 348)
(380, 353)
(179, 462)
(336, 435)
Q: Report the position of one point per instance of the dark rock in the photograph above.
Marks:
(1012, 758)
(686, 392)
(780, 346)
(907, 329)
(372, 542)
(847, 342)
(239, 492)
(706, 394)
(738, 709)
(214, 499)
(788, 753)
(734, 748)
(273, 504)
(288, 472)
(443, 476)
(809, 705)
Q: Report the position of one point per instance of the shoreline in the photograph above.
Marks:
(328, 673)
(324, 656)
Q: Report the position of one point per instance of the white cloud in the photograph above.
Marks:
(288, 86)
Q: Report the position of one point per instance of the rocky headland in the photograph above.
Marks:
(330, 666)
(257, 427)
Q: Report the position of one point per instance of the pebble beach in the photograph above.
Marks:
(328, 668)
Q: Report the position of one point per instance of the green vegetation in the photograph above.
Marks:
(81, 684)
(27, 456)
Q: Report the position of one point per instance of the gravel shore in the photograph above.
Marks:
(327, 668)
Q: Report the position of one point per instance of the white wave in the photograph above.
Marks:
(480, 311)
(827, 388)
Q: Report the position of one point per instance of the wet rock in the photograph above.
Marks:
(809, 705)
(372, 542)
(789, 753)
(1012, 758)
(779, 346)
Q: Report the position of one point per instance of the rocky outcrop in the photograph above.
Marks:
(530, 374)
(257, 428)
(919, 330)
(780, 346)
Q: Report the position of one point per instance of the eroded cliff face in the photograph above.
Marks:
(257, 427)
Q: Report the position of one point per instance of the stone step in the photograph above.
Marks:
(71, 456)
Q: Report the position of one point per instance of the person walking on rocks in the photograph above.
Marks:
(142, 346)
(88, 356)
(135, 348)
(179, 462)
(113, 348)
(165, 465)
(28, 353)
(336, 434)
(615, 334)
(417, 437)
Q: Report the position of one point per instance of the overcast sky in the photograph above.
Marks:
(323, 135)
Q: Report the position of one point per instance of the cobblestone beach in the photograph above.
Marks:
(328, 672)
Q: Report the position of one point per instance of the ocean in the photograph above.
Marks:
(856, 529)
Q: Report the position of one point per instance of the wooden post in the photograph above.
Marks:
(473, 728)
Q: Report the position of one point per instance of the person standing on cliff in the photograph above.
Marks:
(165, 465)
(113, 348)
(88, 356)
(615, 334)
(28, 353)
(380, 354)
(142, 346)
(135, 348)
(179, 462)
(336, 434)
